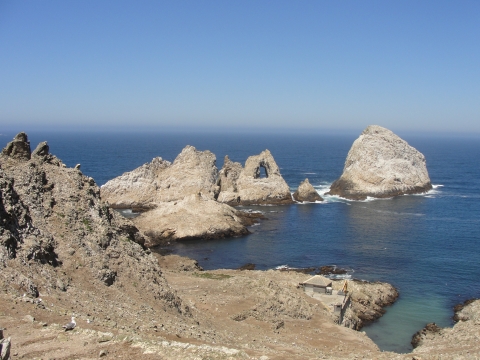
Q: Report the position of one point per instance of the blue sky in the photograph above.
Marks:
(304, 65)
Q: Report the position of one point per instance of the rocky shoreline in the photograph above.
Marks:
(64, 252)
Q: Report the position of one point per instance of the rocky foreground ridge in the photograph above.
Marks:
(380, 164)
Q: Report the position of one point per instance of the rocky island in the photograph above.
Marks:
(190, 198)
(380, 164)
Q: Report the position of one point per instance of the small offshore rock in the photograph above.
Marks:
(306, 192)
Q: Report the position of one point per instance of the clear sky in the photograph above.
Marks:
(311, 65)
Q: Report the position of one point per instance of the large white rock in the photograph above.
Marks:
(380, 164)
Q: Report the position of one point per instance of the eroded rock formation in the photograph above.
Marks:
(18, 148)
(380, 164)
(159, 181)
(180, 197)
(246, 186)
(190, 197)
(306, 192)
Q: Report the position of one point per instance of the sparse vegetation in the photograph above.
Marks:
(87, 223)
(206, 275)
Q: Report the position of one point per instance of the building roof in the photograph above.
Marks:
(318, 280)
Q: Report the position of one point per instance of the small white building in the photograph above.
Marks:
(317, 284)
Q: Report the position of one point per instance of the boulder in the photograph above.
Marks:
(380, 164)
(194, 216)
(159, 181)
(19, 148)
(247, 187)
(306, 192)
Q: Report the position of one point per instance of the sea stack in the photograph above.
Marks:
(380, 164)
(306, 193)
(246, 186)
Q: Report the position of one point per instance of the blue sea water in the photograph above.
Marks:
(425, 245)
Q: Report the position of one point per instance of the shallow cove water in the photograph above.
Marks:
(425, 245)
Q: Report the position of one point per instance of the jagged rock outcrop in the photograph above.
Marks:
(180, 198)
(247, 187)
(380, 164)
(306, 192)
(191, 217)
(137, 188)
(227, 181)
(58, 239)
(459, 342)
(429, 331)
(368, 300)
(19, 148)
(159, 181)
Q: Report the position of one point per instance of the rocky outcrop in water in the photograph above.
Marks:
(380, 164)
(429, 331)
(190, 198)
(306, 193)
(368, 300)
(192, 217)
(180, 198)
(227, 181)
(159, 181)
(246, 186)
(135, 189)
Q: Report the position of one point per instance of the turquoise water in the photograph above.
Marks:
(427, 246)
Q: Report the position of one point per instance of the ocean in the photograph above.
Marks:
(425, 245)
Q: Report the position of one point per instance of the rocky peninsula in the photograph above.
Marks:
(380, 164)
